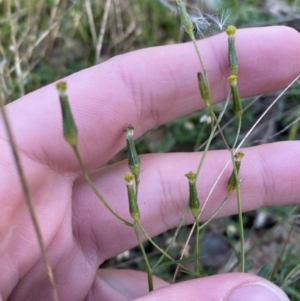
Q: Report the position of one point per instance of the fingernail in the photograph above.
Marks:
(262, 291)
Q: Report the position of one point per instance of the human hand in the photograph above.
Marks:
(145, 88)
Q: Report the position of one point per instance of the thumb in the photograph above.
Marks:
(226, 287)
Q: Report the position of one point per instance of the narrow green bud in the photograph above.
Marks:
(204, 89)
(232, 182)
(69, 126)
(232, 57)
(134, 162)
(185, 19)
(194, 203)
(133, 206)
(236, 99)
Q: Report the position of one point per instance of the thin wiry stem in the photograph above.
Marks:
(238, 131)
(28, 199)
(237, 149)
(149, 270)
(197, 175)
(164, 253)
(200, 228)
(173, 237)
(197, 248)
(264, 113)
(212, 134)
(240, 214)
(100, 197)
(230, 121)
(281, 131)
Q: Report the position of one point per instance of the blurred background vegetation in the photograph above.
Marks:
(42, 41)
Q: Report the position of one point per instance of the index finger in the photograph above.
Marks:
(147, 88)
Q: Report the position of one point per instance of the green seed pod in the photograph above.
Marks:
(185, 19)
(232, 182)
(232, 57)
(134, 162)
(133, 206)
(194, 203)
(69, 126)
(236, 99)
(204, 89)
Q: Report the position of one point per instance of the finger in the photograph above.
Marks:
(270, 176)
(226, 287)
(147, 88)
(122, 285)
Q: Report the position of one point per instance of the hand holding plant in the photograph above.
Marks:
(145, 88)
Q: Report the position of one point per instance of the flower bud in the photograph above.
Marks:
(133, 206)
(232, 182)
(69, 126)
(232, 57)
(194, 203)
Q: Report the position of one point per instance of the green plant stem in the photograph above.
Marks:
(200, 58)
(197, 248)
(174, 237)
(211, 136)
(215, 213)
(158, 248)
(28, 199)
(230, 121)
(149, 270)
(240, 214)
(205, 151)
(239, 203)
(100, 197)
(188, 26)
(213, 116)
(137, 182)
(203, 225)
(238, 131)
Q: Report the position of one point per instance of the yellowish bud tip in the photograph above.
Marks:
(231, 30)
(129, 178)
(129, 131)
(232, 79)
(238, 156)
(61, 87)
(191, 176)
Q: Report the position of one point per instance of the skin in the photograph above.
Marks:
(145, 88)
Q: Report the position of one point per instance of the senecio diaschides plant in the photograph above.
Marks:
(191, 25)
